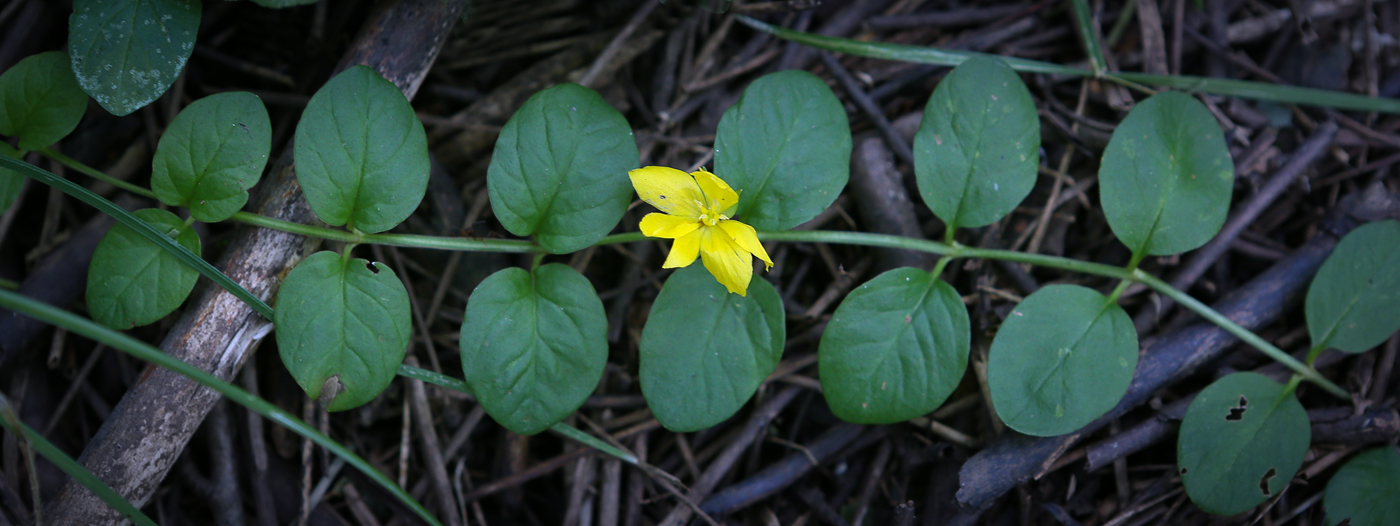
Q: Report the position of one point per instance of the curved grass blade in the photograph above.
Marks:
(74, 323)
(945, 57)
(145, 230)
(1085, 22)
(70, 466)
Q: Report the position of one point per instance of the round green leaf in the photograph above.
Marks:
(1166, 176)
(1064, 357)
(559, 171)
(361, 154)
(895, 348)
(126, 54)
(1354, 302)
(1366, 490)
(212, 154)
(132, 281)
(534, 346)
(40, 101)
(786, 147)
(1241, 441)
(11, 182)
(704, 351)
(343, 326)
(978, 148)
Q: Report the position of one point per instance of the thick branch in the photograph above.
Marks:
(150, 426)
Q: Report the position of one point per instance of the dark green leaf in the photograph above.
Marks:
(559, 171)
(1240, 443)
(895, 348)
(704, 351)
(534, 346)
(1366, 490)
(40, 101)
(212, 154)
(978, 148)
(1062, 358)
(361, 154)
(11, 182)
(1166, 176)
(1354, 302)
(132, 281)
(343, 326)
(786, 147)
(127, 53)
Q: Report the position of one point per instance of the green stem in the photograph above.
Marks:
(1316, 351)
(397, 240)
(94, 173)
(74, 323)
(1118, 291)
(438, 379)
(1242, 333)
(141, 227)
(66, 463)
(942, 264)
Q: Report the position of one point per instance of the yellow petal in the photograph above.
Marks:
(669, 190)
(747, 238)
(670, 227)
(721, 196)
(730, 264)
(684, 250)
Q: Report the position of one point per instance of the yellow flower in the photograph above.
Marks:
(696, 207)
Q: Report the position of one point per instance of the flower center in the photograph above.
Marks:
(709, 216)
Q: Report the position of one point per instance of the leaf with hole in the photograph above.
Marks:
(343, 326)
(559, 171)
(126, 54)
(361, 154)
(786, 147)
(895, 348)
(1241, 441)
(1366, 490)
(704, 351)
(213, 152)
(1063, 357)
(132, 281)
(11, 182)
(1354, 302)
(534, 345)
(1166, 176)
(978, 148)
(40, 101)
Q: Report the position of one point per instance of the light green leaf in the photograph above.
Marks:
(1166, 176)
(534, 346)
(786, 147)
(1354, 302)
(11, 182)
(132, 281)
(361, 154)
(559, 171)
(1241, 441)
(343, 326)
(40, 101)
(895, 348)
(1063, 357)
(704, 351)
(212, 154)
(1366, 490)
(127, 53)
(978, 147)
